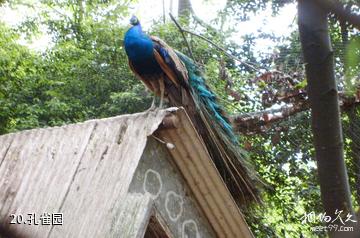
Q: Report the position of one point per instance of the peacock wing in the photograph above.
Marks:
(170, 63)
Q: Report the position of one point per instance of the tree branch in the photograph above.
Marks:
(260, 122)
(341, 13)
(183, 35)
(200, 21)
(182, 30)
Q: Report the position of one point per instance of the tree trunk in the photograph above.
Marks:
(184, 8)
(324, 103)
(337, 8)
(171, 8)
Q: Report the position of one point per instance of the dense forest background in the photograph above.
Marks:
(83, 74)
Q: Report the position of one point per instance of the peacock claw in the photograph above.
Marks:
(152, 107)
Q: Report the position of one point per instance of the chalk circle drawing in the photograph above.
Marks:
(152, 178)
(190, 229)
(177, 201)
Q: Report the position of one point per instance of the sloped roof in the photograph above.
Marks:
(51, 169)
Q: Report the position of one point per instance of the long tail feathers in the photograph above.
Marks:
(221, 141)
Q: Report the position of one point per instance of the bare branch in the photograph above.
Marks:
(222, 49)
(260, 122)
(341, 13)
(182, 30)
(199, 20)
(183, 35)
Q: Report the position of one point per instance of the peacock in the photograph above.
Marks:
(172, 75)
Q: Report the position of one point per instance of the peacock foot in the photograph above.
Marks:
(152, 107)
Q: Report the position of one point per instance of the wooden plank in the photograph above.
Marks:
(136, 211)
(6, 143)
(194, 161)
(37, 162)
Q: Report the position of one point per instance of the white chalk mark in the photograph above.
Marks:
(173, 217)
(146, 189)
(189, 223)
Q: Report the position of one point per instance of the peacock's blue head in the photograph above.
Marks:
(134, 20)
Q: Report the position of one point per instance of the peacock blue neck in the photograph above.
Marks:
(140, 50)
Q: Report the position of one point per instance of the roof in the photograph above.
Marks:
(48, 169)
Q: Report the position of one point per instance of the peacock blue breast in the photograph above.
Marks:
(140, 50)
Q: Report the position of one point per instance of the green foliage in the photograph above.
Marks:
(352, 80)
(243, 8)
(85, 75)
(19, 76)
(284, 159)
